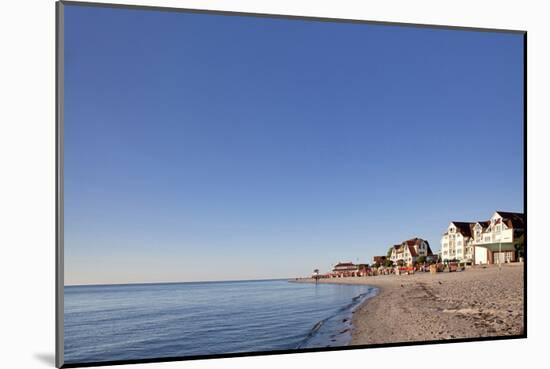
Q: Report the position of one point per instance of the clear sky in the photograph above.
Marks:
(209, 147)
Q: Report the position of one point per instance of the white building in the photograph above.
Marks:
(494, 241)
(483, 242)
(409, 251)
(347, 269)
(457, 242)
(481, 254)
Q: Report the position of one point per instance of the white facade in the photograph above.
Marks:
(482, 242)
(497, 231)
(457, 242)
(481, 255)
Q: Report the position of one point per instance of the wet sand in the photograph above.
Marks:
(478, 302)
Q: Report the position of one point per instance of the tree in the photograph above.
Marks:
(421, 259)
(316, 275)
(388, 263)
(520, 246)
(400, 262)
(388, 254)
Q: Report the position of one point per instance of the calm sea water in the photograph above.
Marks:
(140, 321)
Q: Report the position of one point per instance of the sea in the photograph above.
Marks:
(146, 321)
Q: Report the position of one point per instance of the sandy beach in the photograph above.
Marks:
(478, 302)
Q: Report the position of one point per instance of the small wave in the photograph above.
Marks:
(312, 333)
(340, 330)
(317, 326)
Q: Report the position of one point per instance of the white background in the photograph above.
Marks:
(27, 180)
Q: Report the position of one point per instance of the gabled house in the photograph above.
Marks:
(480, 253)
(483, 242)
(457, 242)
(495, 239)
(410, 250)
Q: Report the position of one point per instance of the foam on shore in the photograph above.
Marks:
(336, 330)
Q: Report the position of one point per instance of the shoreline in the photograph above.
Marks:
(478, 302)
(339, 332)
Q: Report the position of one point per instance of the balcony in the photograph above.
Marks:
(504, 236)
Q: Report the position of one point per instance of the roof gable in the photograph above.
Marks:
(429, 250)
(512, 220)
(484, 224)
(464, 228)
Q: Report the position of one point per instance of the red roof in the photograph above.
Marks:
(484, 223)
(412, 250)
(464, 228)
(416, 242)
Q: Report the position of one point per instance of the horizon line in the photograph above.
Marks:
(177, 282)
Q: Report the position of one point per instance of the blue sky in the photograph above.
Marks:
(209, 147)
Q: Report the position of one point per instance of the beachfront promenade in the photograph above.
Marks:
(477, 302)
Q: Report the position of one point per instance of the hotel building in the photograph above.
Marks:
(484, 242)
